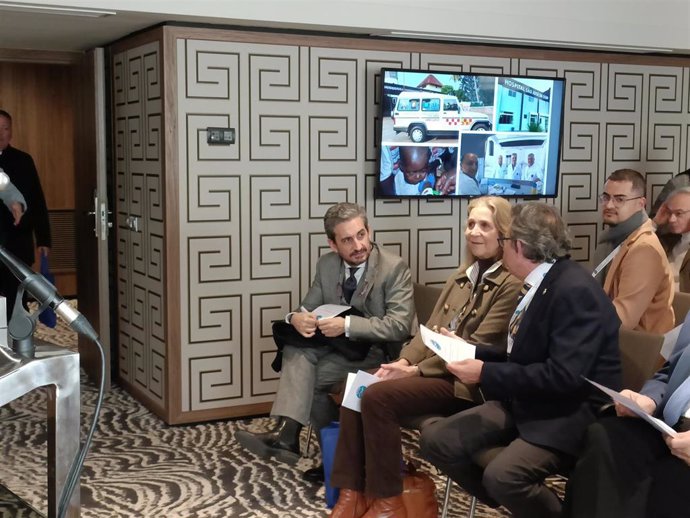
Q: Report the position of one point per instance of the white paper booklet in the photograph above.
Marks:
(355, 386)
(328, 311)
(450, 349)
(634, 407)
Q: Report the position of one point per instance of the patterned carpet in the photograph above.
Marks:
(140, 467)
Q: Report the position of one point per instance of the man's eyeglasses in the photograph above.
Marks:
(501, 240)
(677, 213)
(618, 199)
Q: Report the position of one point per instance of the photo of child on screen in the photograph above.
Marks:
(408, 171)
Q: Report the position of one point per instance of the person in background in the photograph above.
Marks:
(501, 168)
(630, 259)
(318, 353)
(19, 238)
(538, 404)
(514, 168)
(468, 184)
(673, 230)
(533, 172)
(628, 468)
(682, 179)
(476, 303)
(415, 173)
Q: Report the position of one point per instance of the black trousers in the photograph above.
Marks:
(514, 478)
(627, 471)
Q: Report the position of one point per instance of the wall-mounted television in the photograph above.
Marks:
(455, 134)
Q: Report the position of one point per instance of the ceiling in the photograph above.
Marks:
(643, 26)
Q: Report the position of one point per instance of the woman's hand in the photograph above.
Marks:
(397, 369)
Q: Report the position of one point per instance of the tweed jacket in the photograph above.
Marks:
(640, 283)
(668, 241)
(569, 330)
(482, 318)
(383, 295)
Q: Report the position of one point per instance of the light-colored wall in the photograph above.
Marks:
(242, 225)
(306, 116)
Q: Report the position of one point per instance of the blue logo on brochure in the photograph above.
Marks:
(436, 344)
(360, 391)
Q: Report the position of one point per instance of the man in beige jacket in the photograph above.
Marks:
(630, 258)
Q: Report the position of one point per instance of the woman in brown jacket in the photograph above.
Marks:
(477, 303)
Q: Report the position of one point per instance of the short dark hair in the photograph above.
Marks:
(639, 184)
(541, 230)
(5, 114)
(341, 212)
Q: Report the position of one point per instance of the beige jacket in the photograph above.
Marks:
(640, 283)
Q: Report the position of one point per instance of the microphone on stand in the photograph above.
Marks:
(22, 324)
(45, 294)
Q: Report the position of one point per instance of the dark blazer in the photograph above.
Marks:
(569, 330)
(20, 167)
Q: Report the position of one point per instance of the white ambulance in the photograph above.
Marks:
(429, 114)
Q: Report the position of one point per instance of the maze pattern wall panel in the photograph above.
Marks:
(140, 220)
(306, 120)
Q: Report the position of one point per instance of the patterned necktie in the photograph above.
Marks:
(517, 316)
(350, 285)
(678, 389)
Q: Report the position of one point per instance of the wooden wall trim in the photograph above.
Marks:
(421, 46)
(171, 189)
(40, 56)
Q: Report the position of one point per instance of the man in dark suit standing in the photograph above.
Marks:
(19, 238)
(318, 353)
(537, 403)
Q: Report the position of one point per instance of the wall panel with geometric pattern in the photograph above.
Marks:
(305, 112)
(140, 202)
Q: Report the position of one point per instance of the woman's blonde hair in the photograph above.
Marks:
(500, 208)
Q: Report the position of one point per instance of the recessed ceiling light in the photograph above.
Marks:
(44, 9)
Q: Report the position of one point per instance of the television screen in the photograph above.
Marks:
(452, 134)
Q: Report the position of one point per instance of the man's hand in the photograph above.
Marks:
(17, 210)
(467, 371)
(647, 404)
(680, 446)
(331, 327)
(662, 215)
(396, 370)
(43, 250)
(305, 323)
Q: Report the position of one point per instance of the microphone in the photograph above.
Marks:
(45, 293)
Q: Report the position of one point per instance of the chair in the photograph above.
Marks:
(425, 298)
(681, 306)
(639, 352)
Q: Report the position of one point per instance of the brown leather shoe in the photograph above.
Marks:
(350, 504)
(392, 507)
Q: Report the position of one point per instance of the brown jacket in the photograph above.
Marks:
(640, 283)
(668, 241)
(482, 319)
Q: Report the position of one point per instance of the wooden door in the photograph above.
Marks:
(91, 209)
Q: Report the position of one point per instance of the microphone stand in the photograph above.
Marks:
(22, 325)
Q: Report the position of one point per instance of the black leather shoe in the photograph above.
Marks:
(315, 475)
(282, 443)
